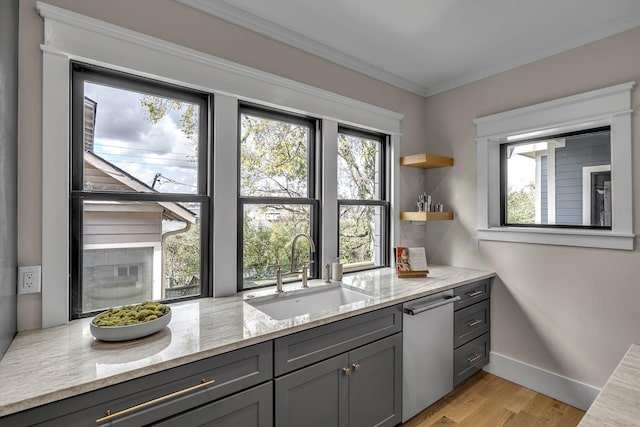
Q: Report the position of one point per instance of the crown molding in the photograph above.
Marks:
(236, 15)
(262, 26)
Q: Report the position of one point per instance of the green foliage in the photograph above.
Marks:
(357, 180)
(521, 205)
(273, 157)
(357, 167)
(267, 235)
(356, 234)
(274, 163)
(182, 257)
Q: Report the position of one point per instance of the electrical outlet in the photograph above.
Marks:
(29, 279)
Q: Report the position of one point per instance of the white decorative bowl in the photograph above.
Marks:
(130, 332)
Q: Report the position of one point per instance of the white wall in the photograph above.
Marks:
(571, 311)
(174, 22)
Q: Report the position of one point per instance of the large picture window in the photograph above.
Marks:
(140, 199)
(277, 194)
(363, 209)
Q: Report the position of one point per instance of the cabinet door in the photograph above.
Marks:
(375, 383)
(250, 408)
(314, 396)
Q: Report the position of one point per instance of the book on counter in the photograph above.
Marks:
(411, 262)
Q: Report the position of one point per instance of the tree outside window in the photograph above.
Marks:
(363, 209)
(276, 193)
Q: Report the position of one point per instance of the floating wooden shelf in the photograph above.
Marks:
(426, 161)
(426, 216)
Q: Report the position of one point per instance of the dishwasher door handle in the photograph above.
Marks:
(412, 311)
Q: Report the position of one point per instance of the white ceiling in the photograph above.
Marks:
(428, 46)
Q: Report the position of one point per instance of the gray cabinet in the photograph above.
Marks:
(359, 388)
(375, 383)
(250, 408)
(346, 373)
(314, 396)
(313, 345)
(472, 323)
(159, 396)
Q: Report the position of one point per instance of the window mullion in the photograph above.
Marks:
(330, 211)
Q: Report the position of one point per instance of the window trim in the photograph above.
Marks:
(81, 73)
(610, 106)
(382, 200)
(73, 35)
(313, 192)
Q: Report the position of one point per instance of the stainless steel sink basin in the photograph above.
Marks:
(313, 300)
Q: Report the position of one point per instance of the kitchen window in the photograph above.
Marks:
(562, 180)
(578, 191)
(143, 55)
(277, 194)
(140, 202)
(363, 209)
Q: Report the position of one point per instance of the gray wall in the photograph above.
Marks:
(570, 311)
(8, 169)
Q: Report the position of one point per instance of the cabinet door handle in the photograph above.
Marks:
(109, 416)
(356, 367)
(474, 294)
(474, 323)
(346, 371)
(474, 358)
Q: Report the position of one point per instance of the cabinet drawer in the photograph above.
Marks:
(470, 358)
(250, 408)
(472, 293)
(471, 322)
(232, 372)
(304, 348)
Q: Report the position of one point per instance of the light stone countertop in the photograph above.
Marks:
(46, 365)
(618, 403)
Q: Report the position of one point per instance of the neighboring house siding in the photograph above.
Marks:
(579, 151)
(135, 223)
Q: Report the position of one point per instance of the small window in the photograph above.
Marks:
(559, 172)
(277, 194)
(562, 180)
(140, 194)
(363, 209)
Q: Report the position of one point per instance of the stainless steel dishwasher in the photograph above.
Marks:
(427, 351)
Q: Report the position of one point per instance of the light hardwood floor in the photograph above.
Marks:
(486, 400)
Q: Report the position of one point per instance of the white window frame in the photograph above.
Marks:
(610, 106)
(72, 36)
(587, 171)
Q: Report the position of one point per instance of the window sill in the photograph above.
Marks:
(570, 237)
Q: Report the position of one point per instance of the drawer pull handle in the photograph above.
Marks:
(346, 371)
(356, 367)
(474, 323)
(474, 358)
(109, 416)
(474, 294)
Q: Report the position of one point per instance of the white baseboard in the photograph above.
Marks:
(567, 390)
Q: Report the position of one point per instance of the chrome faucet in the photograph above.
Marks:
(305, 267)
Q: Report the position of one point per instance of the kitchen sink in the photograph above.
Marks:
(313, 300)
